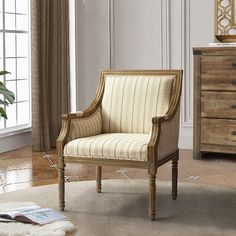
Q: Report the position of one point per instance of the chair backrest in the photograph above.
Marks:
(132, 98)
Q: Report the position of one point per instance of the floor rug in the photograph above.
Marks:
(121, 209)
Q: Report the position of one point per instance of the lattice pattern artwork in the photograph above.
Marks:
(225, 22)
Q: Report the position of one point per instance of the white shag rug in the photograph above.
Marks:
(59, 228)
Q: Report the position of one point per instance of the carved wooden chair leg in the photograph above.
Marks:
(175, 176)
(152, 196)
(99, 178)
(61, 179)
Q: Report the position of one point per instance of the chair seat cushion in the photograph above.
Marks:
(122, 146)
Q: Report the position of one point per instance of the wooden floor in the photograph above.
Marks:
(22, 169)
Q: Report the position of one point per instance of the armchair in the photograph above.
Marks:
(132, 122)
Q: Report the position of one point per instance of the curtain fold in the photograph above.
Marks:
(50, 70)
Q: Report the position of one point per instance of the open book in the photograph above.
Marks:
(31, 214)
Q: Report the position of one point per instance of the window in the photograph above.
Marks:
(14, 57)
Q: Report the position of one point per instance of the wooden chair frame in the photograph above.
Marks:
(152, 162)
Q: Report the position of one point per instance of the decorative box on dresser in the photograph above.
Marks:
(214, 100)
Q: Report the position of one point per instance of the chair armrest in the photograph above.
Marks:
(85, 126)
(73, 115)
(169, 137)
(165, 129)
(78, 125)
(165, 135)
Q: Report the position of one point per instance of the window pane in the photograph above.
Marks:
(22, 6)
(0, 5)
(10, 45)
(22, 90)
(11, 85)
(11, 108)
(1, 25)
(22, 22)
(23, 113)
(22, 68)
(11, 67)
(10, 6)
(10, 22)
(1, 45)
(11, 113)
(14, 58)
(22, 45)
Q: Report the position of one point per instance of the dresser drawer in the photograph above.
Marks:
(218, 132)
(218, 104)
(219, 82)
(218, 73)
(213, 64)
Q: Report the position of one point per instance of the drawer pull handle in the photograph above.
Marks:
(233, 106)
(234, 64)
(233, 132)
(234, 82)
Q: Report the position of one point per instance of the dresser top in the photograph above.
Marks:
(200, 50)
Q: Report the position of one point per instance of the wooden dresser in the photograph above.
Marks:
(214, 101)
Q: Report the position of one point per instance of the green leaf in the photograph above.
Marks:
(8, 95)
(3, 113)
(4, 72)
(4, 102)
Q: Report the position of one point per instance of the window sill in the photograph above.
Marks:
(15, 131)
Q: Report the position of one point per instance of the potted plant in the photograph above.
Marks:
(8, 96)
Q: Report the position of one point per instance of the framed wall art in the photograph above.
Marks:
(225, 20)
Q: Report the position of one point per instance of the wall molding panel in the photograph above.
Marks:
(80, 53)
(111, 32)
(165, 32)
(144, 34)
(187, 114)
(188, 82)
(93, 51)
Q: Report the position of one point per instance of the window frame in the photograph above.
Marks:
(17, 129)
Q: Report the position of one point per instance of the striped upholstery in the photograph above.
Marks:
(122, 146)
(130, 102)
(83, 127)
(119, 129)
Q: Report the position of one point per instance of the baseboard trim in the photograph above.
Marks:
(13, 142)
(186, 138)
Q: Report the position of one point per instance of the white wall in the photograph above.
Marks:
(93, 46)
(141, 34)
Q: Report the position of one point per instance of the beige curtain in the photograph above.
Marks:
(50, 70)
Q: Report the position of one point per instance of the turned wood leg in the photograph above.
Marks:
(175, 177)
(61, 180)
(99, 178)
(152, 196)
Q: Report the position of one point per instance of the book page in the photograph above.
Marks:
(8, 214)
(12, 213)
(5, 220)
(40, 216)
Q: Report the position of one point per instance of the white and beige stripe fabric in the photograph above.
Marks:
(119, 129)
(83, 127)
(169, 136)
(122, 146)
(130, 102)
